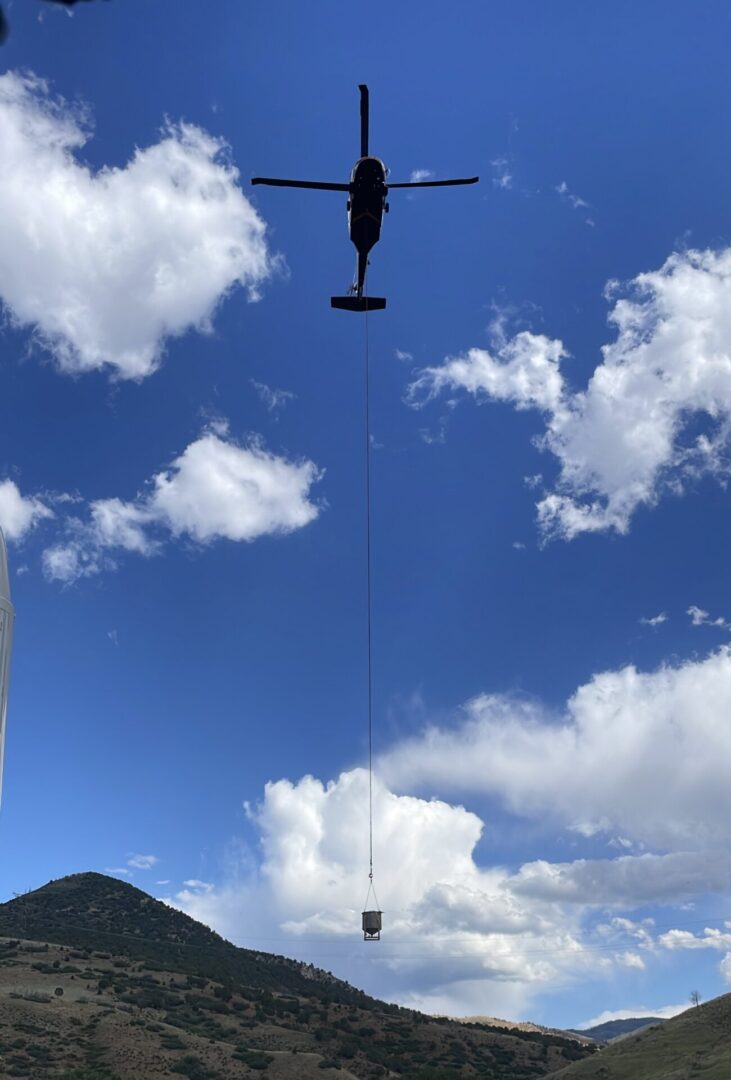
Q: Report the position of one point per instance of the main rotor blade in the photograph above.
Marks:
(300, 183)
(363, 120)
(437, 183)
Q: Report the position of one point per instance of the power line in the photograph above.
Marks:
(225, 945)
(632, 943)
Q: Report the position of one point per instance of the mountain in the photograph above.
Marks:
(695, 1044)
(526, 1025)
(617, 1029)
(99, 981)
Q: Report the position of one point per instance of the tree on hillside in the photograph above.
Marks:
(695, 998)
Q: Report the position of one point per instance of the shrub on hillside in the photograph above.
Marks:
(255, 1059)
(194, 1069)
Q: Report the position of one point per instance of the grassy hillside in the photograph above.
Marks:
(99, 980)
(695, 1044)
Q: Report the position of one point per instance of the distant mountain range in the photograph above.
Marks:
(617, 1029)
(99, 981)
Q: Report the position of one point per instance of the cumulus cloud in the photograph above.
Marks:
(656, 413)
(643, 754)
(106, 265)
(711, 938)
(19, 513)
(640, 757)
(217, 488)
(719, 940)
(418, 175)
(457, 934)
(315, 845)
(524, 371)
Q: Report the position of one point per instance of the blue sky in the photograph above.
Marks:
(182, 485)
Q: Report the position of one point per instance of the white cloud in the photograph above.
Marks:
(273, 399)
(640, 754)
(215, 489)
(19, 513)
(106, 265)
(711, 938)
(524, 371)
(621, 842)
(631, 960)
(420, 174)
(142, 862)
(629, 880)
(699, 617)
(628, 438)
(654, 620)
(639, 757)
(456, 934)
(575, 200)
(725, 968)
(620, 927)
(501, 174)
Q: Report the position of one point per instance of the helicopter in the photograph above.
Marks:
(367, 201)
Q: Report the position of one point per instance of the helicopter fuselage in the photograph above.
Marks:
(367, 202)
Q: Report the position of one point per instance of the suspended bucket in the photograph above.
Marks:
(372, 925)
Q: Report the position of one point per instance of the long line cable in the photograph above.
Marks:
(369, 597)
